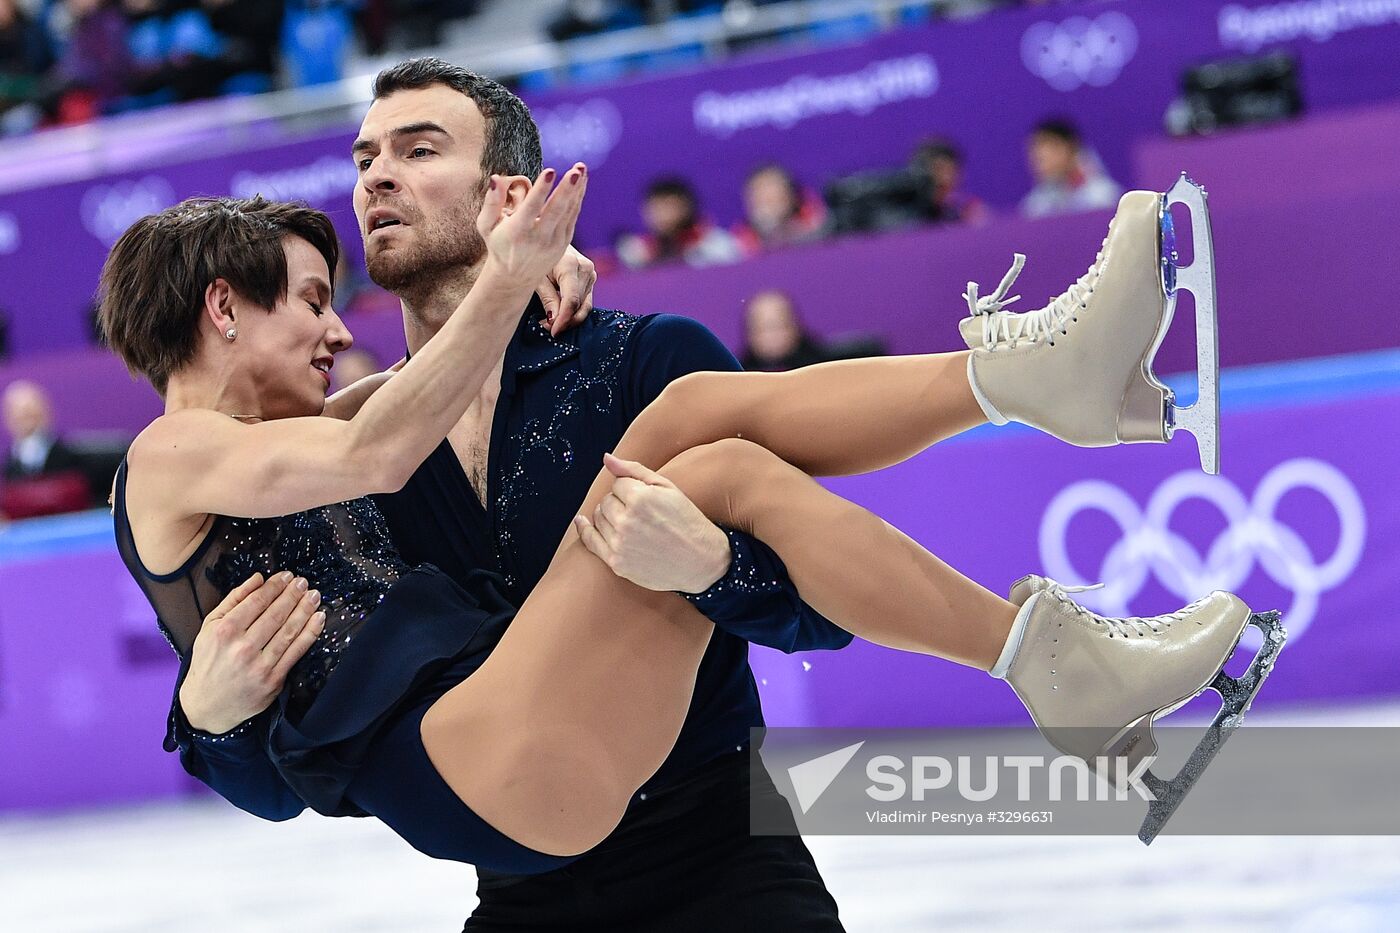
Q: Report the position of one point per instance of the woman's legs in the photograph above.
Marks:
(850, 565)
(832, 419)
(585, 694)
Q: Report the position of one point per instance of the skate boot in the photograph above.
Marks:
(1080, 368)
(1094, 685)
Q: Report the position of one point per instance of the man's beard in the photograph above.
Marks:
(441, 250)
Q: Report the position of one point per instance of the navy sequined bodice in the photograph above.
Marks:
(343, 550)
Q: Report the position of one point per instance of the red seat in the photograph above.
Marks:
(50, 494)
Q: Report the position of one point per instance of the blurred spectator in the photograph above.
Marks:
(1068, 177)
(94, 64)
(43, 475)
(777, 212)
(352, 366)
(940, 164)
(34, 448)
(775, 339)
(675, 231)
(24, 57)
(4, 336)
(187, 50)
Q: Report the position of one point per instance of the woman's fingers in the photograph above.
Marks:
(264, 629)
(561, 213)
(491, 204)
(299, 646)
(250, 597)
(532, 207)
(292, 627)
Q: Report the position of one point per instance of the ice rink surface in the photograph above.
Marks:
(154, 869)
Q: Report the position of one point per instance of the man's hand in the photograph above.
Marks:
(567, 293)
(647, 531)
(247, 646)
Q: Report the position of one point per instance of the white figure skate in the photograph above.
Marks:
(1080, 368)
(1094, 685)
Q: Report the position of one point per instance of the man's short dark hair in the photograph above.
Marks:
(512, 139)
(151, 293)
(1060, 128)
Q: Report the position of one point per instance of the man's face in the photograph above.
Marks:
(421, 186)
(1052, 158)
(26, 410)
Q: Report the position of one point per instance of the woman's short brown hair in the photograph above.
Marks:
(153, 283)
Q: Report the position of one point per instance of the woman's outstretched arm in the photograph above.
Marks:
(212, 464)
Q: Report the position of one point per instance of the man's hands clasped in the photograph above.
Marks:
(647, 531)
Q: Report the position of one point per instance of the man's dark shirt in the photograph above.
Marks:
(564, 402)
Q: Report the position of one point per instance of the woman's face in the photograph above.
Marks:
(286, 355)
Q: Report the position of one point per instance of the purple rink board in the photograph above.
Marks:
(826, 112)
(1304, 518)
(1281, 252)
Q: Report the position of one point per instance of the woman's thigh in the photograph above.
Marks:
(579, 703)
(399, 785)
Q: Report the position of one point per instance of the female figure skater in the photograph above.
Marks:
(416, 704)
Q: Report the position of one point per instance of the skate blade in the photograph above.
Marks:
(1202, 418)
(1236, 694)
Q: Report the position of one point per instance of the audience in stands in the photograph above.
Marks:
(94, 63)
(676, 231)
(24, 57)
(777, 212)
(939, 165)
(43, 475)
(1068, 176)
(776, 340)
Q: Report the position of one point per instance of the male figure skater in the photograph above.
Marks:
(500, 493)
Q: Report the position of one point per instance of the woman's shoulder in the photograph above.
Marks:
(186, 426)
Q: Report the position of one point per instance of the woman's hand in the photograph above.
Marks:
(245, 649)
(567, 293)
(526, 241)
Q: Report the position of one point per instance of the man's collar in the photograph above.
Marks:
(532, 348)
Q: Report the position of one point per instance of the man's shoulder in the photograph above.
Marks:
(607, 323)
(613, 341)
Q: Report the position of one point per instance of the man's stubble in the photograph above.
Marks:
(442, 251)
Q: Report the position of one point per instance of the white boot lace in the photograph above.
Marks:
(1132, 625)
(999, 325)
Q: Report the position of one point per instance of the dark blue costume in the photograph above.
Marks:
(563, 402)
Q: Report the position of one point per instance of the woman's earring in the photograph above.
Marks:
(231, 333)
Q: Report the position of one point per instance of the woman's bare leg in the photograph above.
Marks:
(585, 694)
(832, 419)
(850, 565)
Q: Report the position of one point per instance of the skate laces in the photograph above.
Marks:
(1132, 625)
(1002, 326)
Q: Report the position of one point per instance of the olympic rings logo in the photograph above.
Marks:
(1149, 547)
(1080, 50)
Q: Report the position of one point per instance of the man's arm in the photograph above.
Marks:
(235, 669)
(753, 598)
